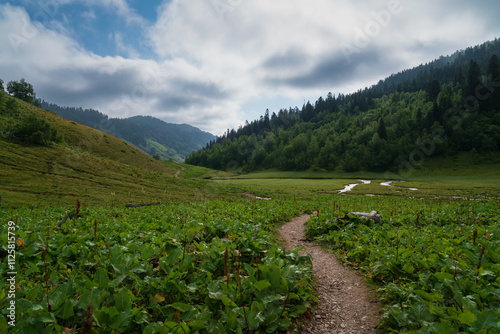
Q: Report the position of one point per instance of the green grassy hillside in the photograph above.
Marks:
(89, 165)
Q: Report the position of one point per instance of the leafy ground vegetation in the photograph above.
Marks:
(204, 267)
(214, 266)
(436, 261)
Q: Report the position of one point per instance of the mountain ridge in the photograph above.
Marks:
(151, 135)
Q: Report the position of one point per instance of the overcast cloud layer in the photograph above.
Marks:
(216, 63)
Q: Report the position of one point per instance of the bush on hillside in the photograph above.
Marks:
(37, 131)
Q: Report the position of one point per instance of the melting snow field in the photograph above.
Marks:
(351, 186)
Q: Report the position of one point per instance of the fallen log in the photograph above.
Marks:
(73, 213)
(138, 205)
(374, 215)
(63, 221)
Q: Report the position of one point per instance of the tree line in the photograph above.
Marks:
(431, 110)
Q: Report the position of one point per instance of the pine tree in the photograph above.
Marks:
(382, 131)
(473, 78)
(494, 67)
(433, 90)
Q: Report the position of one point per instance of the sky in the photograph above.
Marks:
(215, 64)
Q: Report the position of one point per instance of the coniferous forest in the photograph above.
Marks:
(444, 107)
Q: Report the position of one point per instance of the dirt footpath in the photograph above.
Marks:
(346, 304)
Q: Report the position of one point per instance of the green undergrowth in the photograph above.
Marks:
(436, 261)
(197, 267)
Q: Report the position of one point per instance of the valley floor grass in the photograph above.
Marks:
(437, 186)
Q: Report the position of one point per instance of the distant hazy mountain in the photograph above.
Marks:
(151, 135)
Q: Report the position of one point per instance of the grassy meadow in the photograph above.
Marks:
(461, 176)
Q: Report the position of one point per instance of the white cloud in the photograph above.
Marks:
(211, 61)
(294, 47)
(89, 15)
(64, 73)
(121, 46)
(119, 7)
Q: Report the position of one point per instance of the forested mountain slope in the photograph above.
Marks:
(151, 135)
(448, 106)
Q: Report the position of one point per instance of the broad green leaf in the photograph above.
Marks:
(257, 307)
(232, 318)
(485, 320)
(140, 268)
(123, 301)
(409, 268)
(32, 269)
(253, 323)
(192, 287)
(285, 324)
(227, 302)
(214, 291)
(67, 309)
(430, 297)
(494, 292)
(182, 307)
(67, 289)
(173, 257)
(466, 317)
(261, 285)
(121, 321)
(197, 325)
(3, 324)
(444, 328)
(46, 317)
(186, 263)
(101, 278)
(443, 276)
(117, 281)
(111, 311)
(90, 296)
(33, 293)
